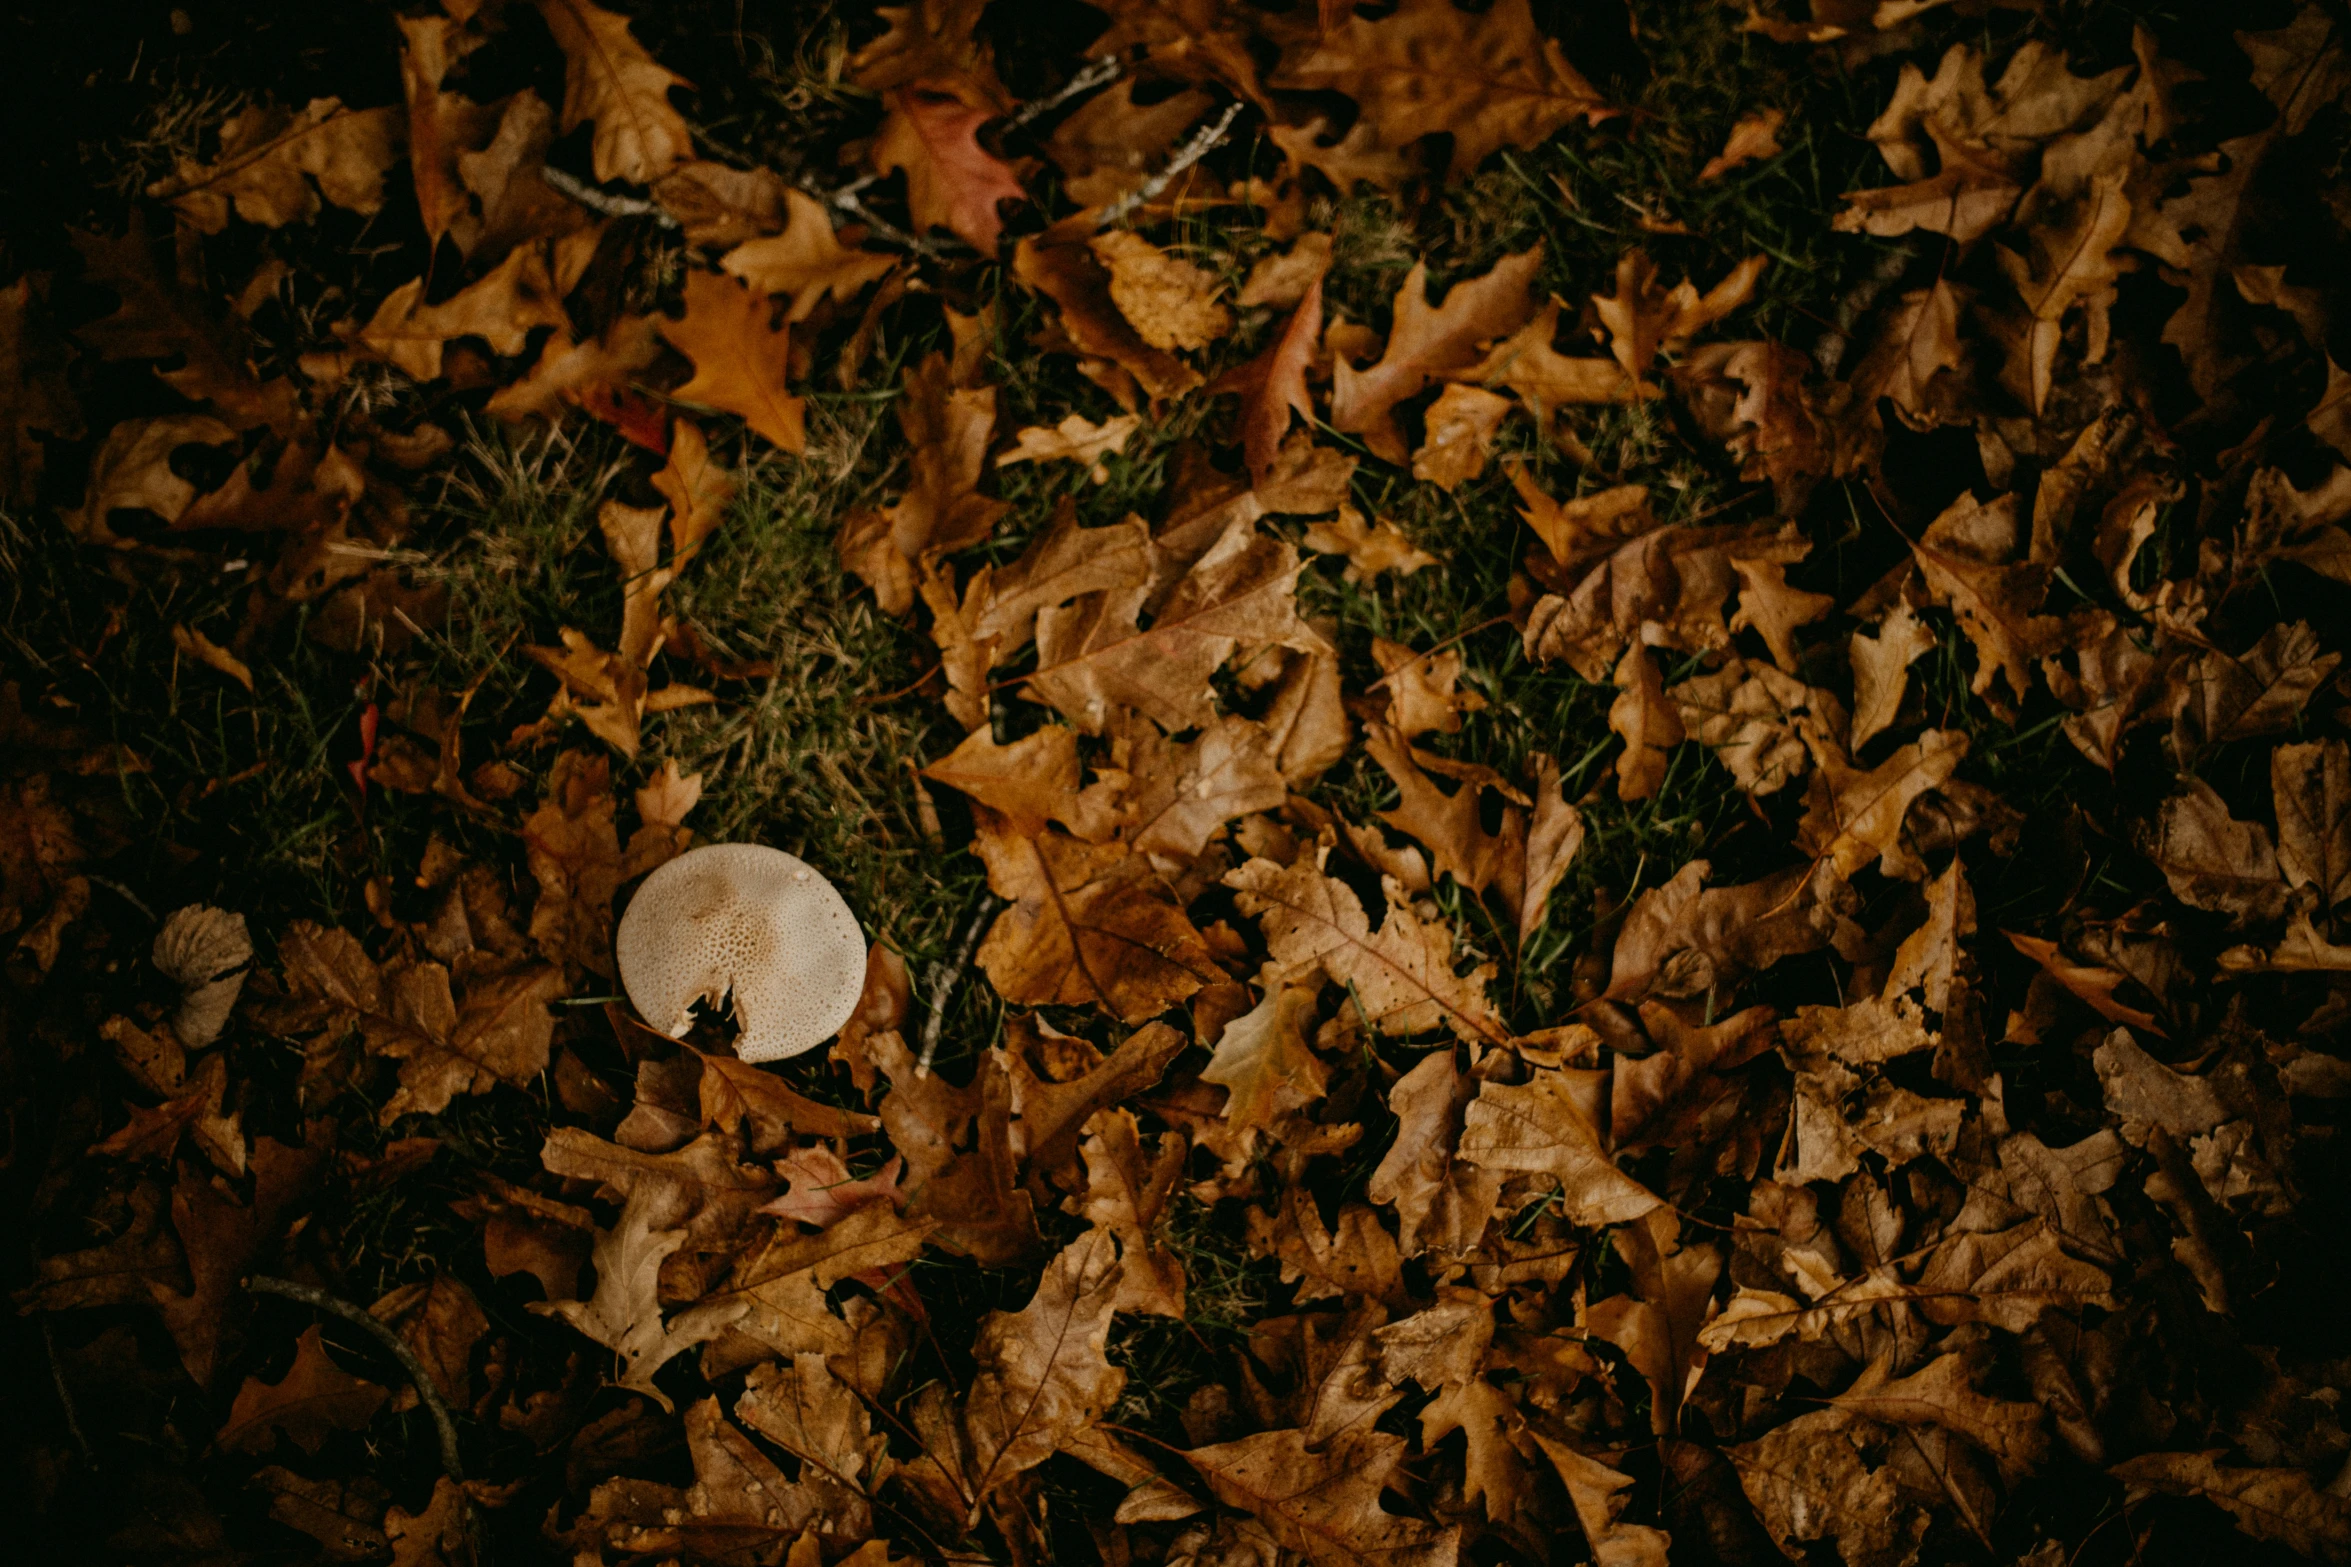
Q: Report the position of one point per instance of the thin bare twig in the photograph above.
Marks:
(1203, 142)
(1097, 72)
(944, 977)
(427, 1393)
(611, 206)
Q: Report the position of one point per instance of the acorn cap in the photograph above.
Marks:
(745, 920)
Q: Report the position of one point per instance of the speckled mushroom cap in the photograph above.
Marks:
(753, 921)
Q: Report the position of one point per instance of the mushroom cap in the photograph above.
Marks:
(744, 919)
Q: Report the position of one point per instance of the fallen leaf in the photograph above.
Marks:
(740, 358)
(1042, 1373)
(1371, 548)
(269, 159)
(807, 261)
(1428, 340)
(1755, 137)
(1263, 1062)
(952, 182)
(1539, 1128)
(1075, 439)
(1460, 431)
(2280, 1505)
(1488, 80)
(314, 1399)
(1401, 976)
(610, 79)
(1168, 301)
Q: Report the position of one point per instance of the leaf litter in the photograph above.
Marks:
(1794, 1012)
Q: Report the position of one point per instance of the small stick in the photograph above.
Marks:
(1096, 73)
(944, 977)
(426, 1393)
(73, 1424)
(1203, 142)
(611, 206)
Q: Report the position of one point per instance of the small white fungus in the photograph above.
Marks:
(755, 923)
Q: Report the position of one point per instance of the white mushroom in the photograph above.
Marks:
(744, 920)
(204, 951)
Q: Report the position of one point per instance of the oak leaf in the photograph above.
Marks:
(740, 357)
(1591, 1490)
(1649, 725)
(1489, 79)
(1322, 1500)
(313, 1399)
(1168, 301)
(1075, 439)
(952, 182)
(2258, 692)
(1427, 340)
(1852, 817)
(807, 261)
(1065, 270)
(1442, 1203)
(1089, 925)
(1095, 656)
(1539, 1128)
(2214, 861)
(1829, 1475)
(1401, 976)
(1756, 136)
(2281, 1505)
(1372, 549)
(1273, 385)
(947, 425)
(610, 78)
(1263, 1061)
(2311, 785)
(1881, 670)
(1042, 1373)
(1942, 1393)
(1643, 319)
(269, 159)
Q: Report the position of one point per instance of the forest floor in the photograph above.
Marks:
(1620, 920)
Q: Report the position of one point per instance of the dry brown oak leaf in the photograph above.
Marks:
(1042, 1374)
(807, 261)
(1263, 1062)
(269, 159)
(1090, 925)
(522, 292)
(313, 1399)
(947, 424)
(1401, 976)
(1322, 1500)
(1426, 341)
(1488, 79)
(610, 79)
(1095, 657)
(1547, 1126)
(741, 357)
(952, 182)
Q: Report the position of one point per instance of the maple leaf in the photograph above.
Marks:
(952, 182)
(610, 79)
(740, 358)
(807, 261)
(270, 157)
(1042, 1373)
(1488, 79)
(1263, 1062)
(1401, 976)
(1089, 925)
(313, 1399)
(1426, 341)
